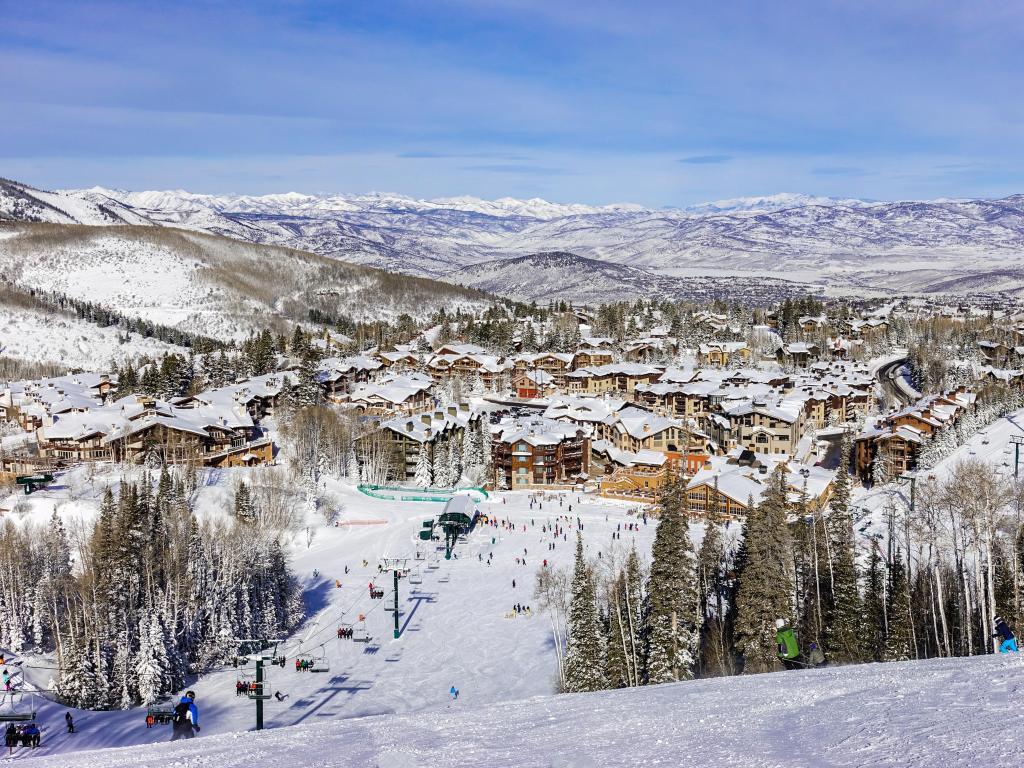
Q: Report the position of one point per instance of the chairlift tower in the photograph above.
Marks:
(261, 651)
(1016, 441)
(398, 566)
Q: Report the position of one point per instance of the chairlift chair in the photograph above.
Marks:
(320, 663)
(18, 713)
(360, 633)
(416, 577)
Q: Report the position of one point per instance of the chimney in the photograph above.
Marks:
(408, 426)
(452, 410)
(425, 418)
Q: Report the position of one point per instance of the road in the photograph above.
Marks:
(893, 385)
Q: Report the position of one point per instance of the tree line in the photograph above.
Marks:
(144, 598)
(927, 583)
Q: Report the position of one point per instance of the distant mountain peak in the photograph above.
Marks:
(777, 202)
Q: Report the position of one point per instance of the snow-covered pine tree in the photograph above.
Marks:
(898, 643)
(712, 592)
(424, 477)
(872, 629)
(484, 452)
(442, 465)
(245, 508)
(672, 621)
(584, 662)
(765, 586)
(617, 670)
(844, 611)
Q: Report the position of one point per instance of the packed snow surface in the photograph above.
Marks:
(947, 712)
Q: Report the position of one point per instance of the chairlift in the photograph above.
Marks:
(243, 683)
(416, 577)
(19, 713)
(345, 632)
(359, 632)
(389, 604)
(320, 663)
(259, 690)
(160, 715)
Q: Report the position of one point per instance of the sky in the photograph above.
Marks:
(658, 103)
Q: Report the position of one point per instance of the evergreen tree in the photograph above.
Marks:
(244, 506)
(673, 625)
(898, 642)
(765, 584)
(617, 667)
(584, 662)
(873, 625)
(424, 477)
(843, 616)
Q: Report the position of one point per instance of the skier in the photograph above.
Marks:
(454, 693)
(785, 638)
(1009, 642)
(816, 658)
(31, 735)
(186, 717)
(70, 722)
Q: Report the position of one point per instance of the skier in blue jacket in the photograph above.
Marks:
(1003, 631)
(186, 717)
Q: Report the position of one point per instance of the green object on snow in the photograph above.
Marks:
(785, 638)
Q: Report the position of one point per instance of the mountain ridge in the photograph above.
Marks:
(949, 246)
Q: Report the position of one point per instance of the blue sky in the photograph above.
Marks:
(661, 103)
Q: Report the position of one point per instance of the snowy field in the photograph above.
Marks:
(455, 625)
(54, 338)
(941, 713)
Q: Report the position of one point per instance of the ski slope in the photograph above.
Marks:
(454, 625)
(944, 712)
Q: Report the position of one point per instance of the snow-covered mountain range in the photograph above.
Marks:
(909, 246)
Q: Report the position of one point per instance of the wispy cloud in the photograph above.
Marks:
(838, 170)
(525, 169)
(706, 159)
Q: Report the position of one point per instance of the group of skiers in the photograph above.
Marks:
(27, 735)
(789, 649)
(245, 687)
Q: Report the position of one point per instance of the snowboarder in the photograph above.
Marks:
(816, 658)
(279, 696)
(1009, 642)
(70, 722)
(186, 717)
(785, 638)
(454, 693)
